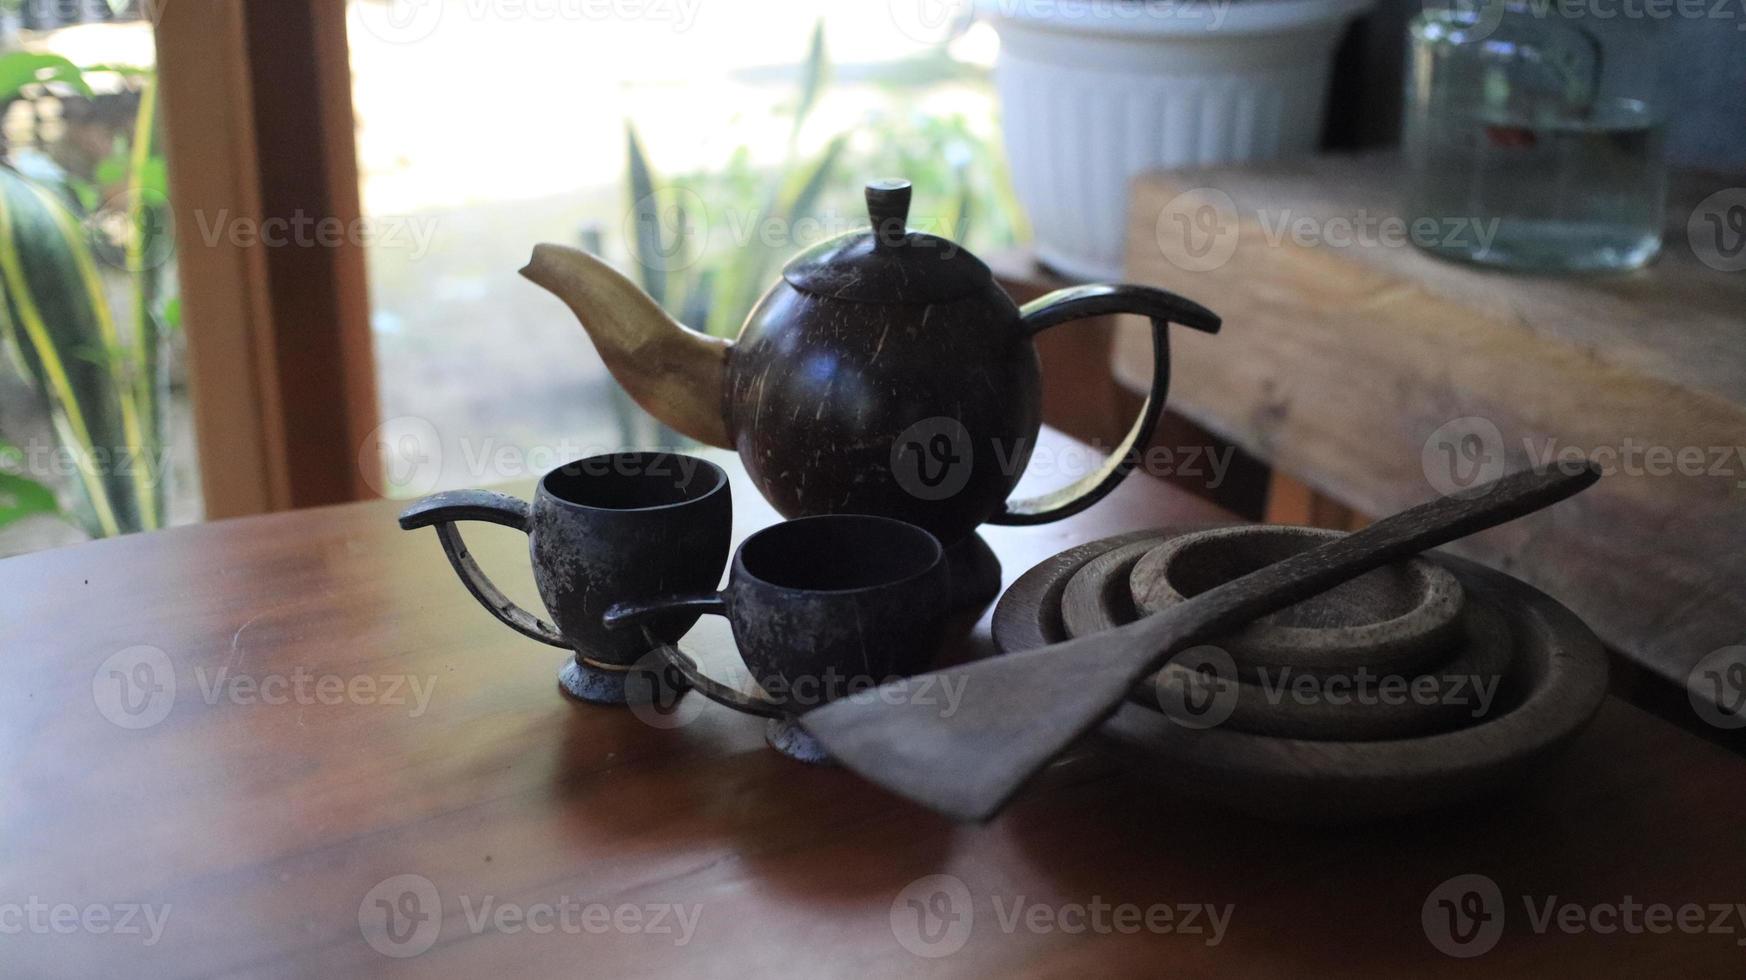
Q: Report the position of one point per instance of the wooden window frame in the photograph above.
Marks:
(258, 126)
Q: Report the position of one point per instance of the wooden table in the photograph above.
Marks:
(259, 823)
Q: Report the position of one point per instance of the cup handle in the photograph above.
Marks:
(442, 510)
(625, 614)
(1078, 302)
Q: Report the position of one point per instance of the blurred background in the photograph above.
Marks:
(480, 130)
(695, 143)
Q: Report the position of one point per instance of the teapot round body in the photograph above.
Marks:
(923, 412)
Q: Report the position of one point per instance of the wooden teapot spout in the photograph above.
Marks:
(675, 373)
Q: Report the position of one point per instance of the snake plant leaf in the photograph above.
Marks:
(21, 68)
(801, 193)
(56, 310)
(697, 295)
(150, 175)
(814, 75)
(146, 207)
(751, 267)
(647, 244)
(21, 497)
(126, 71)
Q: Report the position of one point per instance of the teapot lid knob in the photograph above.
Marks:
(888, 209)
(890, 265)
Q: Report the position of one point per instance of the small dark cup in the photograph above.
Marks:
(821, 607)
(600, 531)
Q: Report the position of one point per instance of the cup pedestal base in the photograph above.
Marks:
(974, 571)
(591, 684)
(787, 737)
(596, 685)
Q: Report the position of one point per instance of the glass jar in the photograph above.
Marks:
(1533, 133)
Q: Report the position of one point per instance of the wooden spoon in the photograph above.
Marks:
(966, 757)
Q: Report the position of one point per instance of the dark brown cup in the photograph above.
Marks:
(820, 607)
(600, 531)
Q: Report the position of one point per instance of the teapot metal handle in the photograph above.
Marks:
(1076, 303)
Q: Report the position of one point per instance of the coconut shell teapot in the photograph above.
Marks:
(885, 373)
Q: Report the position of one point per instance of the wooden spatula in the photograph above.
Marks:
(1019, 711)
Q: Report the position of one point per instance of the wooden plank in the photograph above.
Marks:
(258, 128)
(1357, 369)
(209, 136)
(1291, 501)
(307, 154)
(263, 817)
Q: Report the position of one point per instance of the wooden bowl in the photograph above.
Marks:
(1028, 614)
(1480, 651)
(1559, 678)
(1400, 619)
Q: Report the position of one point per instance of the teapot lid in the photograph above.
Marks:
(888, 263)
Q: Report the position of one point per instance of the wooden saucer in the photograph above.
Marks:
(1384, 700)
(1028, 614)
(1399, 619)
(1558, 677)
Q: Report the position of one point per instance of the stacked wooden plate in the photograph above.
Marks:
(1419, 685)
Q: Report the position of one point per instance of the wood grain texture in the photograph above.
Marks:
(263, 826)
(1097, 597)
(1340, 365)
(306, 154)
(1393, 619)
(258, 130)
(1323, 761)
(209, 138)
(1021, 711)
(1291, 501)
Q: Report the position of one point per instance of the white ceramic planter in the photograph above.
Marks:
(1093, 92)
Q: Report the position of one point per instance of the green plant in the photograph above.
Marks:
(686, 254)
(715, 289)
(20, 496)
(102, 386)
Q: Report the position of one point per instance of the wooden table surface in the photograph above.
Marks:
(330, 762)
